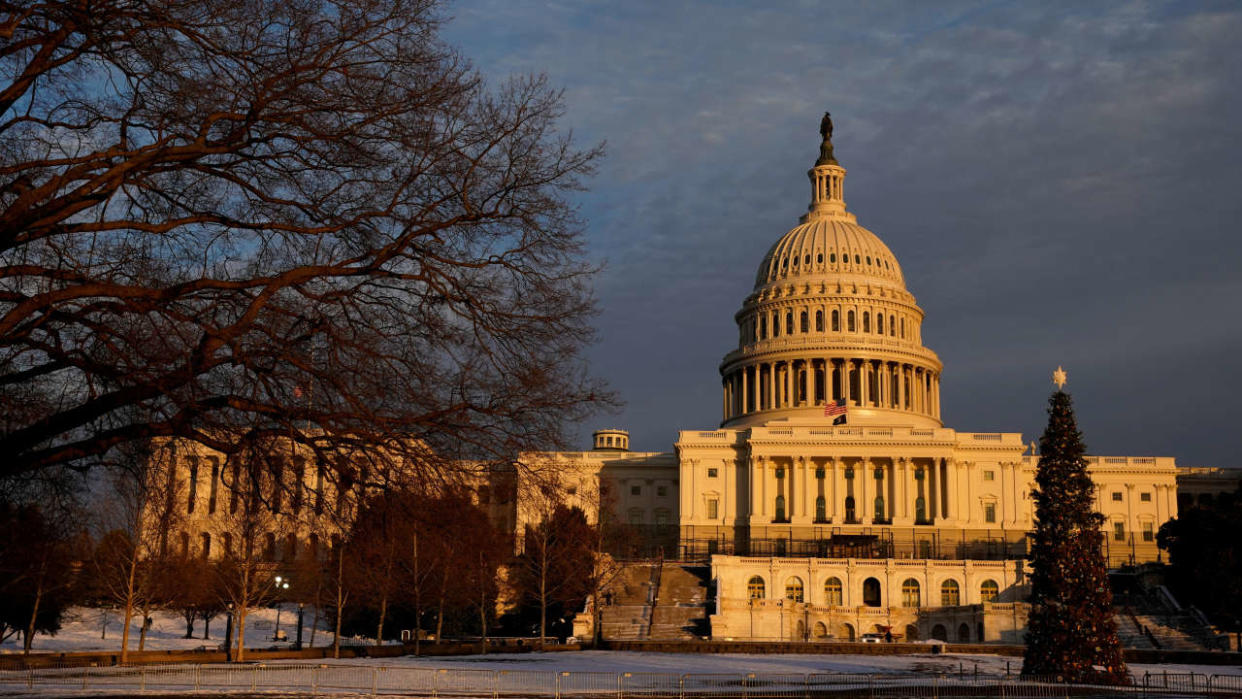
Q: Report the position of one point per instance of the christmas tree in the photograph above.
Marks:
(1070, 633)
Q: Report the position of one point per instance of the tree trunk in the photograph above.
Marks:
(142, 635)
(130, 589)
(243, 601)
(340, 601)
(28, 641)
(189, 622)
(543, 594)
(206, 627)
(379, 632)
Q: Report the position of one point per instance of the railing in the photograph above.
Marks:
(337, 679)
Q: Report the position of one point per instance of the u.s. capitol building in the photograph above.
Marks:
(887, 519)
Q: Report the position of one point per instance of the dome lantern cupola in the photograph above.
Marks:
(827, 178)
(830, 320)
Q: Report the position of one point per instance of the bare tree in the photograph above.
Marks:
(308, 219)
(143, 510)
(247, 529)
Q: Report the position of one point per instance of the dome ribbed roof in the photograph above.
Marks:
(828, 246)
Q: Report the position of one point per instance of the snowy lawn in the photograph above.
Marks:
(732, 663)
(83, 627)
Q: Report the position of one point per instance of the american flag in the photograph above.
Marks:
(835, 409)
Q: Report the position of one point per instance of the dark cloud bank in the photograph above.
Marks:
(1062, 184)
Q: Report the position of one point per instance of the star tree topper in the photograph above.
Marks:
(1059, 377)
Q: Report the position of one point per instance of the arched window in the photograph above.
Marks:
(755, 588)
(879, 509)
(780, 508)
(989, 591)
(185, 545)
(205, 539)
(910, 593)
(879, 323)
(804, 323)
(819, 321)
(763, 327)
(776, 324)
(903, 328)
(291, 548)
(312, 547)
(836, 321)
(963, 633)
(821, 631)
(950, 594)
(849, 509)
(269, 547)
(866, 321)
(821, 509)
(871, 592)
(788, 322)
(892, 326)
(940, 633)
(849, 321)
(832, 592)
(793, 589)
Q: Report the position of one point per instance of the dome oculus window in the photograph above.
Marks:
(857, 259)
(819, 259)
(832, 257)
(807, 261)
(868, 260)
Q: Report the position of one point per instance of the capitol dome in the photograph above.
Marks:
(830, 320)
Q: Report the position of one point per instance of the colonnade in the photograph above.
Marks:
(854, 490)
(867, 383)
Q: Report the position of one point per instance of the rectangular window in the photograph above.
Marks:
(662, 490)
(713, 509)
(1119, 531)
(1145, 497)
(1149, 533)
(989, 475)
(712, 472)
(1117, 496)
(989, 512)
(636, 490)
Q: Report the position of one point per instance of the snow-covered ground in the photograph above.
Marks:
(83, 626)
(732, 663)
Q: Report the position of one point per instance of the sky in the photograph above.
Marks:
(1061, 182)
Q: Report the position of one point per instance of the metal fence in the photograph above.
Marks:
(335, 679)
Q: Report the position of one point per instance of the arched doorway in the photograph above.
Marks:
(912, 632)
(871, 592)
(821, 631)
(963, 633)
(979, 632)
(847, 632)
(940, 633)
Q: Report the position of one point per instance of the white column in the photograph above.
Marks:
(933, 491)
(864, 382)
(901, 387)
(745, 390)
(838, 495)
(845, 381)
(862, 476)
(803, 479)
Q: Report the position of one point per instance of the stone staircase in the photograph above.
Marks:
(1154, 619)
(627, 614)
(680, 611)
(656, 601)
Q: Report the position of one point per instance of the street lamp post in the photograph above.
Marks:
(281, 584)
(298, 645)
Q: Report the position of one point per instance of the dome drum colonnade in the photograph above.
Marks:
(830, 319)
